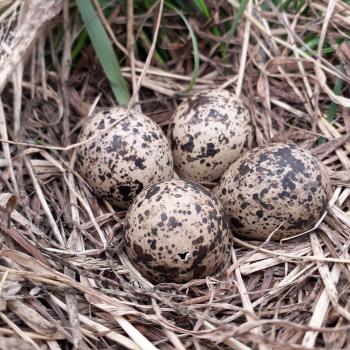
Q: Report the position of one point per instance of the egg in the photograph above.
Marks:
(175, 231)
(207, 133)
(123, 155)
(273, 185)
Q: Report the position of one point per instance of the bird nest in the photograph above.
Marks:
(65, 281)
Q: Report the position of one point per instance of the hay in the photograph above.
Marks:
(64, 279)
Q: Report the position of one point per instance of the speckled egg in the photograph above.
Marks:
(176, 231)
(208, 132)
(271, 185)
(123, 158)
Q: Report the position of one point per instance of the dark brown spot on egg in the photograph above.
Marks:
(244, 169)
(189, 145)
(125, 191)
(259, 214)
(198, 240)
(140, 255)
(173, 222)
(152, 191)
(236, 223)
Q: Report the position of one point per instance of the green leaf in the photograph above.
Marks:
(234, 25)
(202, 7)
(338, 85)
(195, 72)
(104, 51)
(80, 43)
(332, 111)
(312, 44)
(147, 44)
(285, 5)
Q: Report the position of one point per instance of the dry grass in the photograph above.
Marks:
(64, 279)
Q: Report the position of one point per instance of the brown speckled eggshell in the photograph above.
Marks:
(274, 184)
(176, 231)
(123, 160)
(208, 132)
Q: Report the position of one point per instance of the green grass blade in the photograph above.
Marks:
(104, 51)
(312, 45)
(299, 6)
(195, 72)
(147, 44)
(202, 7)
(285, 5)
(338, 85)
(234, 25)
(332, 111)
(80, 43)
(185, 6)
